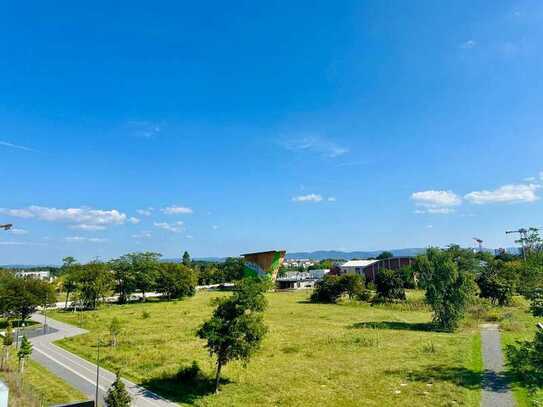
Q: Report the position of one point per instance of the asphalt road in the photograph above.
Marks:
(80, 373)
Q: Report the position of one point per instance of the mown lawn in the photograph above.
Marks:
(326, 355)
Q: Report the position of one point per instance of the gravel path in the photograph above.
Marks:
(496, 391)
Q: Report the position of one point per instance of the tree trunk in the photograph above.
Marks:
(218, 376)
(5, 356)
(67, 297)
(142, 295)
(22, 366)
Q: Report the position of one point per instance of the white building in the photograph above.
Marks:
(356, 266)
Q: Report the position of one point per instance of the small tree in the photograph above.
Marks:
(114, 331)
(493, 285)
(537, 303)
(385, 255)
(449, 285)
(117, 395)
(7, 342)
(328, 290)
(25, 350)
(186, 259)
(352, 284)
(236, 328)
(389, 285)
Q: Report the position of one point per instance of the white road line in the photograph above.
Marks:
(70, 369)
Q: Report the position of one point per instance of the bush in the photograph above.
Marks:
(364, 296)
(537, 303)
(331, 288)
(390, 286)
(526, 360)
(495, 287)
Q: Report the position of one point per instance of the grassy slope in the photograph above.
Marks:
(40, 385)
(314, 354)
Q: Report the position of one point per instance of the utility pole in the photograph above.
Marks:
(45, 313)
(523, 233)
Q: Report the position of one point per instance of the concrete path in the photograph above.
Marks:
(496, 390)
(80, 373)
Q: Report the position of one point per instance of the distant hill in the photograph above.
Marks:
(336, 254)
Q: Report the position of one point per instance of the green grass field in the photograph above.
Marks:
(518, 324)
(340, 355)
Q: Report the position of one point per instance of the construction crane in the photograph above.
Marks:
(7, 226)
(479, 244)
(523, 233)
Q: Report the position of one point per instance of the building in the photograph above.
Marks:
(369, 268)
(298, 263)
(39, 275)
(264, 263)
(293, 280)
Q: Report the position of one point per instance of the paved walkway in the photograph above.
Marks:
(496, 391)
(80, 373)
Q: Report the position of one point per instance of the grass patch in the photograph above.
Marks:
(314, 354)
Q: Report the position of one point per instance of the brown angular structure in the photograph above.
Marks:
(264, 263)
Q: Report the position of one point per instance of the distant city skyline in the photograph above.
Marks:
(246, 127)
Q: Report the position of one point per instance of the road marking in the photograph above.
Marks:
(70, 369)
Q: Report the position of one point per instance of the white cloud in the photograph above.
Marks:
(78, 216)
(172, 227)
(85, 239)
(468, 44)
(133, 220)
(436, 202)
(176, 210)
(88, 228)
(331, 199)
(16, 146)
(145, 212)
(16, 231)
(314, 144)
(307, 198)
(142, 235)
(513, 193)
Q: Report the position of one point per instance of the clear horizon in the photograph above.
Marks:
(246, 127)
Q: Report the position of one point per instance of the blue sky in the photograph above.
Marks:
(221, 128)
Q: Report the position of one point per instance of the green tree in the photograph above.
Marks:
(495, 284)
(146, 266)
(328, 290)
(176, 280)
(385, 255)
(7, 341)
(352, 284)
(124, 270)
(25, 350)
(236, 328)
(186, 259)
(95, 283)
(20, 297)
(389, 285)
(117, 395)
(449, 283)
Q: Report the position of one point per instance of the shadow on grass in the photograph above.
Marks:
(400, 326)
(460, 376)
(182, 391)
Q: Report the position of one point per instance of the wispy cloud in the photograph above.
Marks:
(469, 44)
(172, 227)
(436, 202)
(88, 228)
(314, 144)
(16, 146)
(177, 210)
(142, 235)
(513, 193)
(85, 239)
(15, 231)
(144, 129)
(307, 198)
(145, 212)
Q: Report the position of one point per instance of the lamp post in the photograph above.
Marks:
(97, 394)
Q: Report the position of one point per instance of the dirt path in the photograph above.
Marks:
(496, 390)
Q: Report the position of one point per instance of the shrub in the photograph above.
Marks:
(364, 295)
(536, 305)
(331, 288)
(495, 286)
(390, 286)
(526, 360)
(145, 314)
